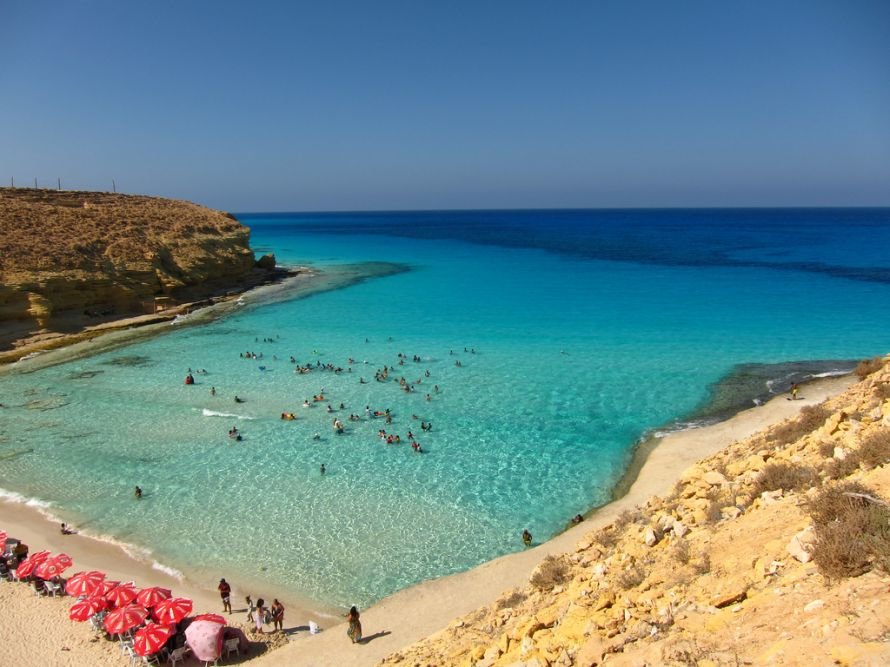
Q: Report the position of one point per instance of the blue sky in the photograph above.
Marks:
(421, 105)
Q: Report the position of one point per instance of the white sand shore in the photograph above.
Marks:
(390, 625)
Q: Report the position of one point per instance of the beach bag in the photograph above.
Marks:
(268, 617)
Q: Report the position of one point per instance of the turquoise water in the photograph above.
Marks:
(589, 330)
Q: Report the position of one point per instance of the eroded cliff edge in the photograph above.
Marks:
(75, 259)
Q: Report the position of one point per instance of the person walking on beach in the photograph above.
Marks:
(260, 615)
(794, 390)
(225, 592)
(354, 632)
(277, 610)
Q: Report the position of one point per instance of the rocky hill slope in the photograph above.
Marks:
(773, 552)
(71, 259)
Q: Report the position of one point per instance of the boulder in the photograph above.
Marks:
(801, 546)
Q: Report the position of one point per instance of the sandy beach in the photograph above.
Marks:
(38, 630)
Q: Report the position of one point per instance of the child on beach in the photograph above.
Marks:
(354, 632)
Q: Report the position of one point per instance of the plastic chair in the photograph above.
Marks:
(52, 588)
(178, 655)
(232, 645)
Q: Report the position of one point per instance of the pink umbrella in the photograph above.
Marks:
(172, 610)
(149, 597)
(83, 609)
(120, 620)
(151, 638)
(121, 595)
(3, 537)
(213, 618)
(205, 638)
(85, 583)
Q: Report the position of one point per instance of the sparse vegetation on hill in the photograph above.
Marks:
(774, 551)
(71, 259)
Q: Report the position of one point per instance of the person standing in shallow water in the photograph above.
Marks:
(354, 632)
(137, 493)
(526, 538)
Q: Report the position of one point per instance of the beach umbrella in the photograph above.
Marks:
(149, 597)
(205, 639)
(86, 583)
(109, 585)
(26, 567)
(122, 619)
(63, 560)
(3, 537)
(213, 618)
(172, 610)
(83, 609)
(151, 638)
(122, 594)
(53, 567)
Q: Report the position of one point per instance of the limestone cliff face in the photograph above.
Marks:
(775, 551)
(70, 255)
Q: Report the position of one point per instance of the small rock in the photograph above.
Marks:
(680, 528)
(840, 453)
(714, 478)
(650, 538)
(730, 512)
(801, 545)
(814, 605)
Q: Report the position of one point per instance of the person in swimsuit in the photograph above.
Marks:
(354, 632)
(225, 592)
(260, 615)
(277, 615)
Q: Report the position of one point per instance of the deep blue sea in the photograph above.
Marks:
(549, 344)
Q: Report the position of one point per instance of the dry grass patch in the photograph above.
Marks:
(810, 418)
(868, 366)
(784, 476)
(874, 451)
(552, 572)
(852, 526)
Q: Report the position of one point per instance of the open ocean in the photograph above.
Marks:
(577, 332)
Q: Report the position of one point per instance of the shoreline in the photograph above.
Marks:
(420, 610)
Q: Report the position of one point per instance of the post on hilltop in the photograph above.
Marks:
(113, 185)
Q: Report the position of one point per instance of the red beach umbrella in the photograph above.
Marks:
(47, 570)
(213, 618)
(122, 619)
(86, 583)
(149, 597)
(172, 610)
(109, 585)
(122, 594)
(83, 609)
(151, 638)
(3, 537)
(26, 567)
(63, 560)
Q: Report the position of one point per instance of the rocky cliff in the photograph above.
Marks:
(775, 551)
(71, 259)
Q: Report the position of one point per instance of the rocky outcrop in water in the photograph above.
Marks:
(71, 259)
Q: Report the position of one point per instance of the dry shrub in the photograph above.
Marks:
(515, 598)
(552, 572)
(852, 527)
(874, 451)
(868, 366)
(680, 551)
(632, 577)
(826, 449)
(607, 537)
(810, 418)
(703, 564)
(785, 476)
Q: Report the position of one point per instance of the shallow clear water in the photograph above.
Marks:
(589, 329)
